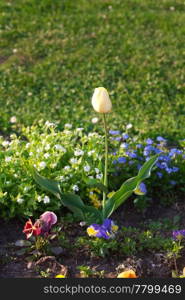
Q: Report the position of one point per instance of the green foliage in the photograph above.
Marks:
(128, 187)
(53, 54)
(89, 213)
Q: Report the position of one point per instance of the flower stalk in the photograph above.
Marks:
(106, 158)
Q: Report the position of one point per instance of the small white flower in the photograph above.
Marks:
(27, 145)
(79, 129)
(53, 165)
(13, 120)
(99, 176)
(172, 8)
(14, 50)
(78, 152)
(90, 177)
(39, 150)
(61, 178)
(13, 136)
(90, 152)
(59, 147)
(31, 153)
(73, 160)
(47, 147)
(82, 224)
(8, 158)
(20, 200)
(5, 143)
(67, 168)
(49, 124)
(42, 164)
(129, 126)
(46, 200)
(97, 170)
(46, 155)
(29, 94)
(124, 146)
(87, 168)
(39, 198)
(92, 134)
(94, 120)
(26, 188)
(68, 125)
(75, 188)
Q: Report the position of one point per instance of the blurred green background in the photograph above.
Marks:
(53, 53)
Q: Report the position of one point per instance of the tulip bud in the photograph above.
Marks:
(101, 101)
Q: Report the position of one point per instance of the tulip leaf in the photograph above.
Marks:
(76, 205)
(145, 170)
(128, 187)
(48, 184)
(92, 215)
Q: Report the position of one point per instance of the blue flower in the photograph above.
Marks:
(124, 145)
(157, 151)
(122, 160)
(175, 169)
(178, 234)
(115, 162)
(118, 138)
(139, 146)
(159, 174)
(125, 136)
(160, 139)
(164, 158)
(141, 189)
(146, 152)
(131, 154)
(173, 182)
(149, 141)
(139, 166)
(169, 170)
(106, 231)
(174, 151)
(114, 132)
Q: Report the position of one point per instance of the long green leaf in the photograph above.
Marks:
(48, 184)
(76, 205)
(92, 215)
(128, 187)
(145, 170)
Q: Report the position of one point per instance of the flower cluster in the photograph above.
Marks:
(178, 234)
(41, 226)
(106, 231)
(73, 156)
(129, 152)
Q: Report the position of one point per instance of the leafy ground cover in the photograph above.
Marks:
(53, 55)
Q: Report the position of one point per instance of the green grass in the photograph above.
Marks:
(66, 48)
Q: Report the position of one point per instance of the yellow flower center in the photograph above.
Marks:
(91, 231)
(114, 228)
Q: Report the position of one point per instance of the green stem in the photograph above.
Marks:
(106, 158)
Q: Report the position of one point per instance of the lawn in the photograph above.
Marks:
(53, 54)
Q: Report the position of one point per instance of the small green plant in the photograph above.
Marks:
(87, 271)
(91, 214)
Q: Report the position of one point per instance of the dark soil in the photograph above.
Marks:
(153, 265)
